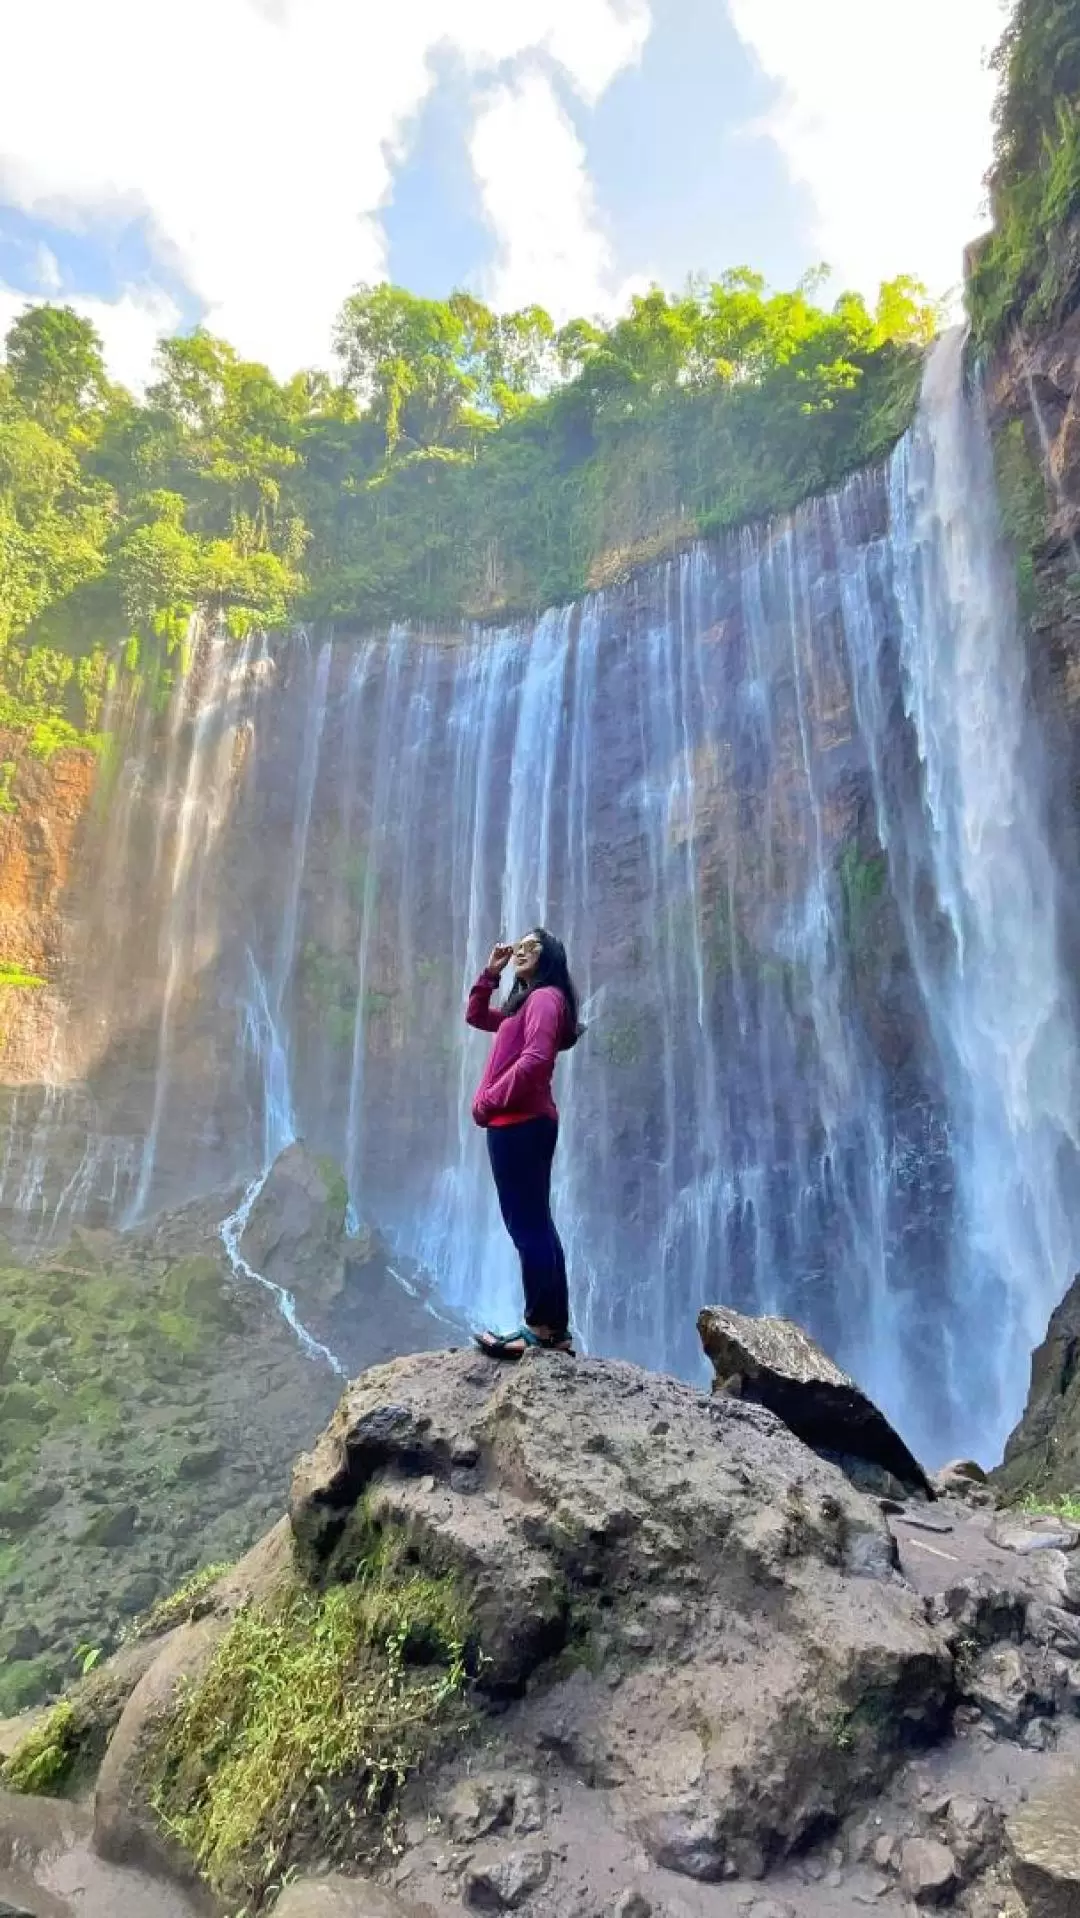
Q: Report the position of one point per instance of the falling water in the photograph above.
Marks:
(782, 799)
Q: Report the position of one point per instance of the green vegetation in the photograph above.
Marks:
(1023, 272)
(862, 882)
(17, 977)
(314, 1710)
(1064, 1505)
(182, 1606)
(466, 463)
(42, 1761)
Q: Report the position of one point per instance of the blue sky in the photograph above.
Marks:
(249, 170)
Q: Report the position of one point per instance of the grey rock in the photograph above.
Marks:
(1023, 1533)
(1054, 1628)
(1043, 1839)
(632, 1903)
(927, 1870)
(774, 1363)
(477, 1806)
(502, 1881)
(771, 1908)
(973, 1828)
(1012, 1684)
(338, 1897)
(1043, 1453)
(578, 1496)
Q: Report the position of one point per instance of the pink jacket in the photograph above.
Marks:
(517, 1079)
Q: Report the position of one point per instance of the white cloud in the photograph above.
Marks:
(537, 196)
(885, 116)
(256, 137)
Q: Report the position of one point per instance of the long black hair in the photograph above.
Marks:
(552, 969)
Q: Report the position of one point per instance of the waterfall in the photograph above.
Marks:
(782, 797)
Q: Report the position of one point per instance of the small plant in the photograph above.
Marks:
(17, 977)
(45, 1756)
(86, 1657)
(314, 1709)
(182, 1605)
(1064, 1505)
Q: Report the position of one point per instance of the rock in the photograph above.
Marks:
(1051, 1626)
(965, 1471)
(202, 1461)
(1024, 1533)
(980, 1612)
(1012, 1684)
(1043, 1839)
(779, 1366)
(479, 1805)
(13, 1911)
(341, 1898)
(743, 1733)
(111, 1527)
(973, 1828)
(770, 1908)
(632, 1903)
(125, 1828)
(296, 1232)
(885, 1851)
(502, 1881)
(927, 1870)
(1043, 1453)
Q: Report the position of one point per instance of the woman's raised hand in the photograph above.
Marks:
(501, 956)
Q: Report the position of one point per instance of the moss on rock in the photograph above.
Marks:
(314, 1709)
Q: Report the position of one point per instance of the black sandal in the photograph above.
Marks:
(496, 1346)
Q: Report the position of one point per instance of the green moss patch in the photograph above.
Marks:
(43, 1760)
(314, 1710)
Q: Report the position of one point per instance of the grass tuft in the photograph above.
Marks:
(314, 1710)
(183, 1605)
(1064, 1505)
(42, 1760)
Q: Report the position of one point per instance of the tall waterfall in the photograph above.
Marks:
(781, 797)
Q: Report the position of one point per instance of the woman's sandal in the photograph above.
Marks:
(496, 1347)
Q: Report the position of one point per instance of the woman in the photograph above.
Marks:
(515, 1107)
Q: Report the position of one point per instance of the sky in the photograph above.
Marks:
(244, 164)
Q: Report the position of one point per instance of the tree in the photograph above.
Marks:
(55, 366)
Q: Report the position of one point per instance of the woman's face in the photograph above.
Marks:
(526, 956)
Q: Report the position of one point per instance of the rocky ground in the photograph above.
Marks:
(716, 1677)
(151, 1407)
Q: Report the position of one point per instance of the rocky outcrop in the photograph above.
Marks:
(296, 1232)
(1043, 1453)
(751, 1587)
(773, 1362)
(1044, 1842)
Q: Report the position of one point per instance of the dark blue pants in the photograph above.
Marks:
(521, 1158)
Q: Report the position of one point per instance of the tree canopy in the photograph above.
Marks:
(463, 463)
(1027, 267)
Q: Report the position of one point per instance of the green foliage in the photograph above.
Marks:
(468, 463)
(42, 1760)
(1022, 500)
(315, 1709)
(1064, 1505)
(862, 882)
(183, 1605)
(1023, 272)
(16, 977)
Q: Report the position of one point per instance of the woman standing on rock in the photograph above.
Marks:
(515, 1107)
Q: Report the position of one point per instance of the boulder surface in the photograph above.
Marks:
(773, 1362)
(773, 1664)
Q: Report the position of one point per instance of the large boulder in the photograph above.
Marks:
(296, 1234)
(1044, 1845)
(773, 1362)
(351, 1292)
(772, 1664)
(1043, 1453)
